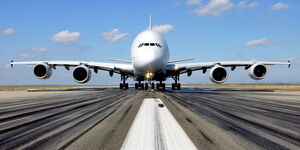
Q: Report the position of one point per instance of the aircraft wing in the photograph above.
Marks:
(185, 67)
(116, 68)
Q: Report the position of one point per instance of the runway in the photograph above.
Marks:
(54, 122)
(101, 118)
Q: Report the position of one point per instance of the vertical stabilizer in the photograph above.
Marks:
(150, 22)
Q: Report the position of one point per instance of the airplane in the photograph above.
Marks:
(150, 62)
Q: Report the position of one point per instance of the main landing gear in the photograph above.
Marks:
(124, 85)
(176, 85)
(160, 85)
(140, 85)
(150, 85)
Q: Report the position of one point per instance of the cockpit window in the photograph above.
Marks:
(141, 45)
(149, 44)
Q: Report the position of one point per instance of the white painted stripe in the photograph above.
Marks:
(154, 127)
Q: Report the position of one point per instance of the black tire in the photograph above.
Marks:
(152, 86)
(143, 85)
(157, 85)
(146, 86)
(136, 86)
(121, 86)
(173, 86)
(164, 86)
(126, 86)
(178, 86)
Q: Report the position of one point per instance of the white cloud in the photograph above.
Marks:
(163, 29)
(7, 31)
(113, 36)
(245, 4)
(26, 56)
(40, 49)
(214, 8)
(261, 42)
(193, 2)
(280, 6)
(66, 37)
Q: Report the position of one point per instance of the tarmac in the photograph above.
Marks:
(101, 118)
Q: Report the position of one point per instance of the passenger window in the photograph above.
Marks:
(152, 44)
(146, 44)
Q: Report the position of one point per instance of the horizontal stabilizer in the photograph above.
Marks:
(120, 60)
(180, 60)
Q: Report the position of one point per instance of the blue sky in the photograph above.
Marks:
(206, 30)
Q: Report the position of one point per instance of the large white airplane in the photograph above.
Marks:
(150, 62)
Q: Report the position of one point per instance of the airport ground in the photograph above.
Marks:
(100, 117)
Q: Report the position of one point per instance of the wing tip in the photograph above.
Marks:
(11, 63)
(289, 65)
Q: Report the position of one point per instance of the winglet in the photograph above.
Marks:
(11, 65)
(289, 63)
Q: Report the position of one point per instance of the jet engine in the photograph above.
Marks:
(218, 74)
(42, 71)
(257, 72)
(81, 74)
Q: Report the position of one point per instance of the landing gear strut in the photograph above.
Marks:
(124, 85)
(176, 85)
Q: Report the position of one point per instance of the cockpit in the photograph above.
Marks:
(149, 44)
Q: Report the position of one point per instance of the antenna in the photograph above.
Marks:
(150, 22)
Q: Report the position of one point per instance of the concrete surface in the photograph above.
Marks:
(154, 128)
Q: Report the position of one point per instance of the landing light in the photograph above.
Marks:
(149, 75)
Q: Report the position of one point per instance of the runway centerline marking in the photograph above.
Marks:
(154, 127)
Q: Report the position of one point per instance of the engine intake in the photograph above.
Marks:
(218, 74)
(42, 71)
(257, 72)
(82, 74)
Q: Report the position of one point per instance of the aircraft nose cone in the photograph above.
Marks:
(146, 58)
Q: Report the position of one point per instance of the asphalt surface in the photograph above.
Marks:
(101, 118)
(251, 115)
(55, 122)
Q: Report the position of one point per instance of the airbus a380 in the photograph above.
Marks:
(150, 62)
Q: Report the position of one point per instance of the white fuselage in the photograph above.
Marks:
(149, 56)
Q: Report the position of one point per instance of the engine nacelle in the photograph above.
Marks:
(42, 71)
(257, 72)
(81, 74)
(218, 74)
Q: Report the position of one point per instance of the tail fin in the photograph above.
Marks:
(150, 22)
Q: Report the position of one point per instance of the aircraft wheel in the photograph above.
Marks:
(143, 85)
(121, 86)
(152, 86)
(146, 86)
